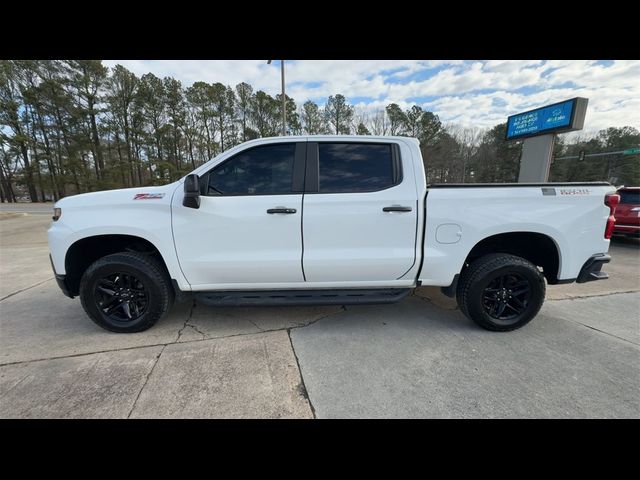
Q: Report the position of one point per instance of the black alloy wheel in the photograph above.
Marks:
(501, 291)
(126, 292)
(121, 296)
(507, 296)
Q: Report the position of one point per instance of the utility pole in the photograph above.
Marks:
(284, 98)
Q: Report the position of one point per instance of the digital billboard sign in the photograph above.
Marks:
(559, 117)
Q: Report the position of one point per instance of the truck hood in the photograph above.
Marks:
(123, 196)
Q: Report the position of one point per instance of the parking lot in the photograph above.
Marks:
(420, 358)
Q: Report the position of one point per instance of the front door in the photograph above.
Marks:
(360, 212)
(247, 231)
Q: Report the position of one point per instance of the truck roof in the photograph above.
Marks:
(336, 137)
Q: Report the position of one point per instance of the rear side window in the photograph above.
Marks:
(356, 167)
(265, 170)
(630, 197)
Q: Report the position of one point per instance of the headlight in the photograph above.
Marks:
(57, 213)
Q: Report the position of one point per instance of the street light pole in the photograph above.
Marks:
(284, 102)
(284, 98)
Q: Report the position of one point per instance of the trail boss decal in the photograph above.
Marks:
(575, 191)
(148, 196)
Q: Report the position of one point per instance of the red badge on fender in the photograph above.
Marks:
(148, 196)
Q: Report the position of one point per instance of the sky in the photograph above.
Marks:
(469, 93)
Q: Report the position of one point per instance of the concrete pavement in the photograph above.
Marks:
(414, 360)
(578, 358)
(24, 254)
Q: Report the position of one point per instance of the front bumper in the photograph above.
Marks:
(60, 280)
(591, 270)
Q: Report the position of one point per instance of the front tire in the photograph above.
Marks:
(501, 292)
(125, 292)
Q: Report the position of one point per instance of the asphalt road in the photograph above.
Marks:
(30, 208)
(420, 358)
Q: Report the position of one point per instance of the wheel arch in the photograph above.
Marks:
(538, 248)
(85, 251)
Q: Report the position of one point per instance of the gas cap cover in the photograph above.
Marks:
(448, 233)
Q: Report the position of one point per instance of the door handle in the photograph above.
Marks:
(282, 210)
(396, 208)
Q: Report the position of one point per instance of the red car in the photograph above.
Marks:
(628, 212)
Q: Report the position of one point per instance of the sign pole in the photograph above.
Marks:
(536, 158)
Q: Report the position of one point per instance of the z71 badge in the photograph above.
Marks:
(148, 196)
(574, 191)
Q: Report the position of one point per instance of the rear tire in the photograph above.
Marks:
(501, 292)
(126, 292)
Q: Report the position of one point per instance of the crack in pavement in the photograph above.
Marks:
(255, 325)
(135, 402)
(579, 297)
(343, 308)
(602, 331)
(194, 327)
(303, 388)
(598, 330)
(165, 344)
(25, 289)
(186, 322)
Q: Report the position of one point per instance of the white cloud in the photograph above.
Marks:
(473, 93)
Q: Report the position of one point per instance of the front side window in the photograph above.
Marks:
(355, 167)
(264, 170)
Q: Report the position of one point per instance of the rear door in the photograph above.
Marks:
(360, 212)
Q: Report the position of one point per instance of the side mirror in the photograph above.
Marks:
(191, 191)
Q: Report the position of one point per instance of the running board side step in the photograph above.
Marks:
(265, 298)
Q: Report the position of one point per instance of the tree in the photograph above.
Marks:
(442, 160)
(429, 129)
(69, 127)
(397, 119)
(265, 114)
(87, 77)
(413, 121)
(122, 91)
(223, 110)
(11, 102)
(313, 119)
(379, 122)
(199, 96)
(467, 139)
(619, 169)
(244, 91)
(294, 127)
(497, 160)
(339, 114)
(362, 129)
(8, 167)
(175, 119)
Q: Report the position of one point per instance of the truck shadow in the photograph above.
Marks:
(625, 241)
(412, 312)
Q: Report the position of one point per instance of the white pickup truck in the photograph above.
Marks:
(326, 220)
